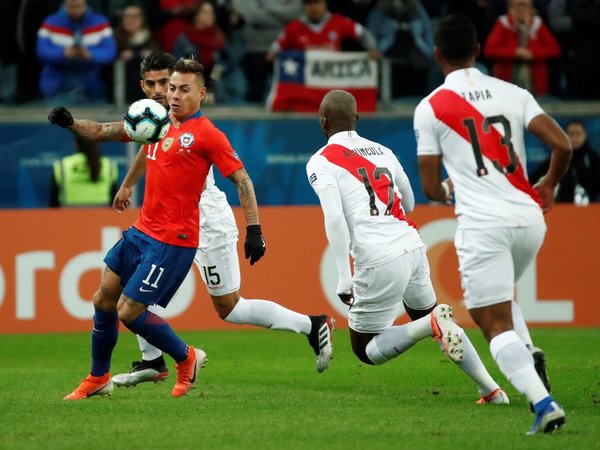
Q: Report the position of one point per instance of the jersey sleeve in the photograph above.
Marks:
(402, 182)
(424, 127)
(532, 108)
(324, 184)
(285, 39)
(220, 151)
(347, 27)
(319, 176)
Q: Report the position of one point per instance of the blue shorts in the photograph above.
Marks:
(150, 271)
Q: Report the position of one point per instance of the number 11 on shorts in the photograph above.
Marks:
(146, 280)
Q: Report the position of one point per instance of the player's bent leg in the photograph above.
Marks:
(225, 304)
(160, 334)
(470, 364)
(264, 313)
(152, 366)
(388, 344)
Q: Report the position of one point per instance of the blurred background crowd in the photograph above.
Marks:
(65, 50)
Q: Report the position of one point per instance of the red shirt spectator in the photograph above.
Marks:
(317, 28)
(519, 45)
(299, 35)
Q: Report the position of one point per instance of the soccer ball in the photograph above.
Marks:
(146, 121)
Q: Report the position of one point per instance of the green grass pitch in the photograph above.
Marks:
(260, 390)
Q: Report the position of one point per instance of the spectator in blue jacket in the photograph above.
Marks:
(74, 44)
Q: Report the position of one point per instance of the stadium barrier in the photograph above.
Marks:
(274, 148)
(51, 262)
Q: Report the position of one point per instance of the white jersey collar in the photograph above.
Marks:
(463, 73)
(342, 135)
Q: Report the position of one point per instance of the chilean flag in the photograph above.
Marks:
(301, 79)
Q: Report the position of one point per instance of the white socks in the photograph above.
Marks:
(396, 340)
(389, 344)
(519, 324)
(473, 366)
(516, 363)
(264, 313)
(149, 352)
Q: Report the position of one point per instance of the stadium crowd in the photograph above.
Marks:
(547, 46)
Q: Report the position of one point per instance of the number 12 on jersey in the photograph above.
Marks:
(379, 181)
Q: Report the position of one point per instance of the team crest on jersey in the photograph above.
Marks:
(166, 145)
(186, 140)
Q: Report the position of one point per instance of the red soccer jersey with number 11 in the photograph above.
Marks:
(176, 170)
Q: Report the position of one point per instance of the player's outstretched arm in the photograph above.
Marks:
(87, 129)
(550, 133)
(254, 245)
(122, 198)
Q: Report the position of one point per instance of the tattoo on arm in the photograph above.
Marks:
(96, 131)
(247, 196)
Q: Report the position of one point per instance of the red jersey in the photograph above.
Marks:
(176, 170)
(300, 35)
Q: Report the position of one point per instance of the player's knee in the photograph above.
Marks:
(128, 310)
(224, 304)
(362, 355)
(359, 343)
(223, 313)
(104, 301)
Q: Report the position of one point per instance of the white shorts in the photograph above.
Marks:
(217, 257)
(491, 261)
(379, 291)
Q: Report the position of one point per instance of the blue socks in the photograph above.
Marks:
(159, 333)
(104, 339)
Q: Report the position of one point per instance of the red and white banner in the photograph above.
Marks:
(301, 79)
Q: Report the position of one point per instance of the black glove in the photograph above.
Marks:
(347, 299)
(254, 246)
(61, 116)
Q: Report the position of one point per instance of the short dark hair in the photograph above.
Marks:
(190, 65)
(456, 38)
(157, 61)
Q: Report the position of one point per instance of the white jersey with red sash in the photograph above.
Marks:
(477, 123)
(370, 180)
